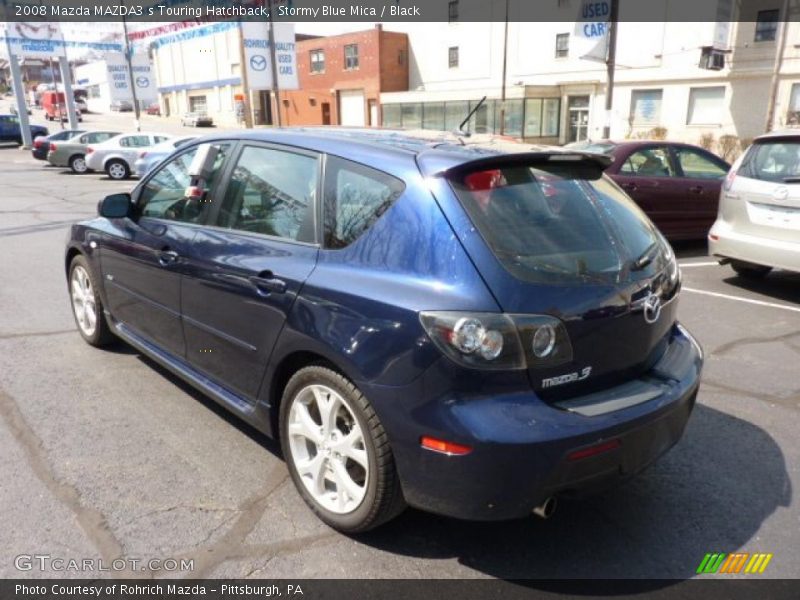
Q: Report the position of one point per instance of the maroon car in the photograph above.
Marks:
(676, 184)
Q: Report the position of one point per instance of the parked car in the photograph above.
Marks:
(759, 211)
(197, 119)
(116, 155)
(150, 157)
(10, 130)
(443, 335)
(14, 110)
(72, 152)
(154, 109)
(677, 185)
(41, 145)
(121, 106)
(81, 105)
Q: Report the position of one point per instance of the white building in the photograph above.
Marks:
(108, 80)
(553, 96)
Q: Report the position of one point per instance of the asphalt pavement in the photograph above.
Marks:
(106, 455)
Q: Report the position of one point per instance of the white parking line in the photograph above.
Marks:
(698, 264)
(740, 299)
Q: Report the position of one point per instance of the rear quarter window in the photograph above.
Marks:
(355, 197)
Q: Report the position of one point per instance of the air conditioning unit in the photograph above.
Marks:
(712, 59)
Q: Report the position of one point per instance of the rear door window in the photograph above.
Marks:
(556, 223)
(355, 197)
(774, 161)
(696, 165)
(272, 192)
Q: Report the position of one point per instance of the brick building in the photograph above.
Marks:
(342, 77)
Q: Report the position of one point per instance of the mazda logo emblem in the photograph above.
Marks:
(142, 81)
(652, 308)
(258, 62)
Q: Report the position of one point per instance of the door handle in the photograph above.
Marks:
(167, 257)
(265, 283)
(696, 189)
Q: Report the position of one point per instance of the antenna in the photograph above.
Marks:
(460, 131)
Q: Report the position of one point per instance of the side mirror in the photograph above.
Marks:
(115, 206)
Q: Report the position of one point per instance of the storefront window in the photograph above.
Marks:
(433, 115)
(533, 117)
(513, 118)
(391, 115)
(455, 112)
(412, 116)
(551, 116)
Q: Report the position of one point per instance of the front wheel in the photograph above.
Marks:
(87, 308)
(78, 164)
(337, 452)
(750, 270)
(117, 169)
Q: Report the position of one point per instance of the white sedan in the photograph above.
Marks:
(117, 156)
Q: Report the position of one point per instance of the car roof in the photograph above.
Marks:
(781, 133)
(434, 151)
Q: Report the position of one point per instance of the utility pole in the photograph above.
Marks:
(611, 59)
(503, 85)
(248, 114)
(272, 54)
(22, 107)
(776, 69)
(128, 59)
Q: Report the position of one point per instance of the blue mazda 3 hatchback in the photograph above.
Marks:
(469, 328)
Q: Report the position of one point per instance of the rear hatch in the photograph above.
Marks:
(764, 194)
(551, 235)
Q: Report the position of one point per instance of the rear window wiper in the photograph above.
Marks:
(794, 179)
(645, 258)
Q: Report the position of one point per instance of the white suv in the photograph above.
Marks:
(758, 224)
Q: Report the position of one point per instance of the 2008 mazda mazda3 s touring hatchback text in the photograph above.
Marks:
(462, 328)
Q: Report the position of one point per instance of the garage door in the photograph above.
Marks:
(351, 107)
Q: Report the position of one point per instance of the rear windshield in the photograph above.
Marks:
(773, 161)
(557, 223)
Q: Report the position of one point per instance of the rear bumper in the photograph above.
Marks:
(759, 250)
(521, 446)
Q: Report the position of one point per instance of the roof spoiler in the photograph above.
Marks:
(512, 159)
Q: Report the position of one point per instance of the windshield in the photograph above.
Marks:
(557, 223)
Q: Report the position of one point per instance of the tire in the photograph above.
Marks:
(118, 169)
(372, 496)
(78, 164)
(749, 270)
(84, 297)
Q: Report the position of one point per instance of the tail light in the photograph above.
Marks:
(37, 144)
(498, 341)
(52, 147)
(729, 178)
(89, 150)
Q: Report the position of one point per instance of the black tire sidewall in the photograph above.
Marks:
(354, 520)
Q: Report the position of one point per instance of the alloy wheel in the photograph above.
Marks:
(327, 449)
(116, 171)
(83, 301)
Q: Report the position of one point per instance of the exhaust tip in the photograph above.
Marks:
(546, 509)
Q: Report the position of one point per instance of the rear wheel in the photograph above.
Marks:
(117, 169)
(749, 270)
(337, 452)
(78, 164)
(87, 308)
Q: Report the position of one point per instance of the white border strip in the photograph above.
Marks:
(698, 264)
(747, 300)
